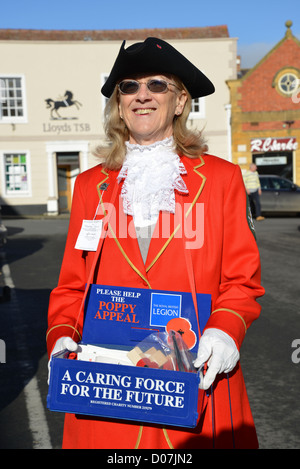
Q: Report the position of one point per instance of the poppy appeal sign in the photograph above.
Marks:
(124, 316)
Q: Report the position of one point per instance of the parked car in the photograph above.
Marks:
(279, 195)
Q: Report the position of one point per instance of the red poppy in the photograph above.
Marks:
(147, 363)
(183, 327)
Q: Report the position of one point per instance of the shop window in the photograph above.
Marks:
(277, 163)
(12, 99)
(16, 174)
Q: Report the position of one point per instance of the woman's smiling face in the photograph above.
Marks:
(149, 116)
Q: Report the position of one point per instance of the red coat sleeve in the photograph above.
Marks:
(240, 283)
(66, 298)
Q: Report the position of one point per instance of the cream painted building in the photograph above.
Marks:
(51, 108)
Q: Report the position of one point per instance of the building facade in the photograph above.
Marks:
(265, 112)
(51, 108)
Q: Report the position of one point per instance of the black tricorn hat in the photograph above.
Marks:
(157, 56)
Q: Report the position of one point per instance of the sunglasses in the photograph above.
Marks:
(154, 86)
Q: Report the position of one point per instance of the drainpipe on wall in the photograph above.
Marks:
(228, 115)
(52, 202)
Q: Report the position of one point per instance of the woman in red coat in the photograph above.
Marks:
(180, 221)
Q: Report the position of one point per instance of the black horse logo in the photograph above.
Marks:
(67, 101)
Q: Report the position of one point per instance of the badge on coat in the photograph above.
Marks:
(89, 236)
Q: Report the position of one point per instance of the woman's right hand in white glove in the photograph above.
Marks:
(62, 344)
(219, 351)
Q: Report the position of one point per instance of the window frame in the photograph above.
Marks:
(15, 119)
(293, 71)
(198, 114)
(14, 193)
(291, 91)
(104, 77)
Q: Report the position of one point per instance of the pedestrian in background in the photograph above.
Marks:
(253, 188)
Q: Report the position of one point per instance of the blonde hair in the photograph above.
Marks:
(187, 142)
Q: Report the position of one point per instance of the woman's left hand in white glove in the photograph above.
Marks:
(61, 344)
(218, 350)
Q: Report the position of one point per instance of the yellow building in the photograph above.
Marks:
(51, 108)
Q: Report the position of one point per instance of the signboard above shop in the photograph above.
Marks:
(270, 160)
(264, 145)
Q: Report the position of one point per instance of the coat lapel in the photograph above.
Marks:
(121, 226)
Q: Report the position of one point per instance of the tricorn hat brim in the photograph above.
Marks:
(157, 56)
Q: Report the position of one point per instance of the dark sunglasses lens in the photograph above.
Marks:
(129, 87)
(157, 86)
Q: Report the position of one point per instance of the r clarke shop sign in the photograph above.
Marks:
(261, 145)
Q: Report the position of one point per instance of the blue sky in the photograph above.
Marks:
(258, 24)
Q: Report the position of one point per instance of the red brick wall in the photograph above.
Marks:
(256, 91)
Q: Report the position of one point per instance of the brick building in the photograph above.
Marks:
(265, 112)
(51, 108)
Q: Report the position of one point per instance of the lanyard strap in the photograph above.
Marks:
(209, 393)
(97, 254)
(190, 270)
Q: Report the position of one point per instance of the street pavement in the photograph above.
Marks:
(272, 377)
(30, 266)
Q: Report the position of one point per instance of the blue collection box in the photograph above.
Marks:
(120, 318)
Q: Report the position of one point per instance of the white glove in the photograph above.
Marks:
(218, 349)
(62, 344)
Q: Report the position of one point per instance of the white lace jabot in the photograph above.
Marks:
(151, 173)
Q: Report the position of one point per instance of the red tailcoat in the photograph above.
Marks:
(226, 265)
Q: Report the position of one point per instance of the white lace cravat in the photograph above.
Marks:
(151, 173)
